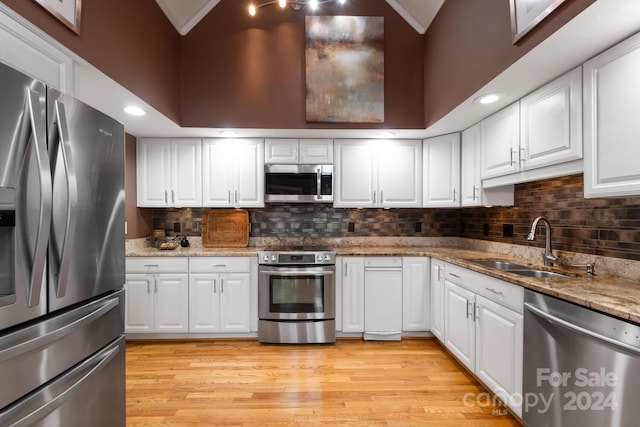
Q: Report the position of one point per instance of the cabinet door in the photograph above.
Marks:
(204, 312)
(139, 303)
(459, 325)
(234, 302)
(400, 174)
(316, 151)
(249, 174)
(499, 341)
(550, 122)
(500, 142)
(416, 313)
(217, 175)
(437, 299)
(356, 174)
(470, 181)
(611, 125)
(171, 308)
(153, 172)
(353, 294)
(280, 151)
(441, 186)
(186, 172)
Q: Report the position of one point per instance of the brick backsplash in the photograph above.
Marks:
(605, 226)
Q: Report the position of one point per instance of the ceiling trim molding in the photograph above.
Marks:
(193, 21)
(420, 28)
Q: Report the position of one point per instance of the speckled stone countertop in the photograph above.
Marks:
(606, 292)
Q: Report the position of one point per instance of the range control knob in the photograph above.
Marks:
(319, 258)
(265, 258)
(327, 257)
(273, 258)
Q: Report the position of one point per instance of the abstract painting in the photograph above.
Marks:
(344, 58)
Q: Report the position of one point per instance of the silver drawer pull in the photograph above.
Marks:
(218, 265)
(494, 291)
(455, 275)
(151, 265)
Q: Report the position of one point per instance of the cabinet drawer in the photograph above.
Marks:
(505, 293)
(219, 264)
(382, 261)
(157, 265)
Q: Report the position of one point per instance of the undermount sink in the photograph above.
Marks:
(501, 265)
(537, 273)
(519, 269)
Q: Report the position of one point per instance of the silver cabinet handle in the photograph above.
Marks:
(218, 265)
(374, 197)
(166, 197)
(567, 325)
(221, 286)
(455, 275)
(468, 314)
(521, 157)
(439, 272)
(64, 145)
(148, 287)
(494, 291)
(151, 265)
(474, 191)
(229, 196)
(173, 197)
(454, 194)
(511, 162)
(215, 289)
(155, 283)
(476, 312)
(236, 196)
(34, 112)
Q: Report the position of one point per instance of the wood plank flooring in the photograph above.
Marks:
(413, 382)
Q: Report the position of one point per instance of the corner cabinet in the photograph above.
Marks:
(233, 173)
(441, 179)
(611, 121)
(378, 174)
(169, 172)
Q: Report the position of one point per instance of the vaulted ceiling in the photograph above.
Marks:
(184, 15)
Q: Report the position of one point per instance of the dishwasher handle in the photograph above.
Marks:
(579, 329)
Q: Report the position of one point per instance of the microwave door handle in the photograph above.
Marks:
(38, 259)
(64, 145)
(319, 184)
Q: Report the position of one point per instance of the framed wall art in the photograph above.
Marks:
(526, 14)
(67, 11)
(344, 69)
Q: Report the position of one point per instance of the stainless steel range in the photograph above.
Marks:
(297, 296)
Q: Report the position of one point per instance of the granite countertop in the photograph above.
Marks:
(614, 295)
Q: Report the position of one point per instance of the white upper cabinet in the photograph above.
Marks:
(372, 173)
(303, 151)
(500, 146)
(233, 173)
(551, 123)
(612, 121)
(472, 191)
(169, 172)
(441, 179)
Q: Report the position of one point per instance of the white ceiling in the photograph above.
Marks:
(600, 26)
(185, 14)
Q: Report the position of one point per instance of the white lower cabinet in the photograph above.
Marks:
(157, 295)
(483, 328)
(219, 294)
(352, 281)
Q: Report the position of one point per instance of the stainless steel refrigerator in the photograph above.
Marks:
(61, 259)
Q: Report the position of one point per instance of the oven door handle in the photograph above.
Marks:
(296, 273)
(568, 325)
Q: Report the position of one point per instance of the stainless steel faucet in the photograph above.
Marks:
(548, 257)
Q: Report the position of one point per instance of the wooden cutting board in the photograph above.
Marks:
(225, 228)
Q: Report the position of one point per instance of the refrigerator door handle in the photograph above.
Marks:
(78, 376)
(46, 197)
(35, 340)
(64, 145)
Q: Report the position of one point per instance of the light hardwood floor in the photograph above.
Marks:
(413, 382)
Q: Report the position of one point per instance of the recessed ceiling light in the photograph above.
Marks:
(134, 111)
(228, 133)
(489, 98)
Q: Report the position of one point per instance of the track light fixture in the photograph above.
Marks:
(295, 5)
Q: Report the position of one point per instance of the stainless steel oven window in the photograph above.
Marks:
(296, 294)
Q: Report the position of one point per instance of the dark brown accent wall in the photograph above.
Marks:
(469, 43)
(243, 71)
(130, 41)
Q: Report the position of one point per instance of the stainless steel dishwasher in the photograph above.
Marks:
(383, 298)
(581, 367)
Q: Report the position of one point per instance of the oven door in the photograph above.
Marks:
(296, 292)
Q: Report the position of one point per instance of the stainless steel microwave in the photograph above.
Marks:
(298, 183)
